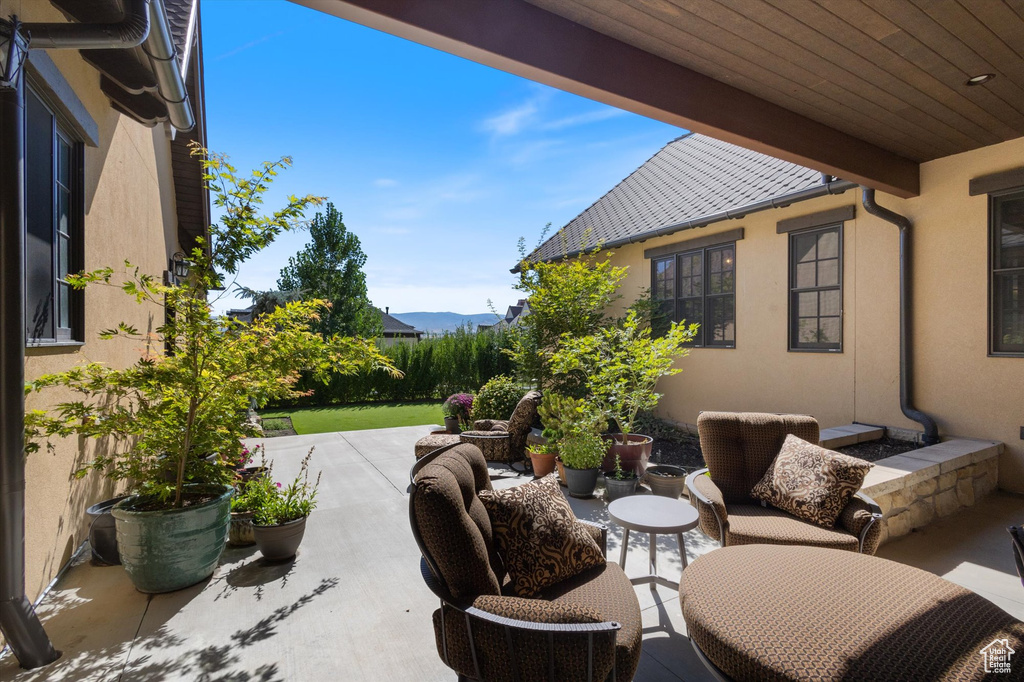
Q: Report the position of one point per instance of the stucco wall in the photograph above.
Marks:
(969, 393)
(129, 214)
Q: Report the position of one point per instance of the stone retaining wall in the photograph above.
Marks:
(917, 487)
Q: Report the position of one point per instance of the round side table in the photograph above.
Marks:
(656, 516)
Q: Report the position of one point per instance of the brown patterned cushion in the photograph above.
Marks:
(537, 610)
(739, 447)
(764, 612)
(538, 536)
(810, 482)
(752, 524)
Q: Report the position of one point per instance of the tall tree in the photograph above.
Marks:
(330, 267)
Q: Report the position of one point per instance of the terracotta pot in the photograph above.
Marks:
(543, 463)
(634, 454)
(561, 470)
(240, 532)
(665, 480)
(581, 482)
(280, 542)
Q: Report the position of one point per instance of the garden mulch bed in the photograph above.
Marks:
(684, 451)
(278, 426)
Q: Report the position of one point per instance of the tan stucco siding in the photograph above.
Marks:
(129, 214)
(968, 393)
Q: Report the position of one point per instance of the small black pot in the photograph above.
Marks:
(614, 488)
(103, 533)
(279, 543)
(451, 425)
(581, 482)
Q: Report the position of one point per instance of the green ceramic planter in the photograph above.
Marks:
(167, 550)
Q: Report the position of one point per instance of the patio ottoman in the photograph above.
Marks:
(434, 441)
(767, 612)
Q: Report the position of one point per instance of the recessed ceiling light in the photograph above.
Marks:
(980, 79)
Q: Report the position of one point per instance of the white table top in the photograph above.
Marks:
(653, 514)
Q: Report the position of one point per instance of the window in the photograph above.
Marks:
(1007, 286)
(816, 289)
(700, 286)
(53, 240)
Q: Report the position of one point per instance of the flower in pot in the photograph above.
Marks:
(240, 533)
(279, 514)
(582, 452)
(456, 410)
(172, 423)
(619, 482)
(620, 366)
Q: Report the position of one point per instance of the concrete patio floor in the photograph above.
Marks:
(352, 606)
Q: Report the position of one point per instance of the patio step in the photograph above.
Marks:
(851, 434)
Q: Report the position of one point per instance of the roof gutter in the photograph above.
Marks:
(824, 189)
(931, 430)
(145, 24)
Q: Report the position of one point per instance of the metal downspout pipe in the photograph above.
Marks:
(931, 430)
(18, 621)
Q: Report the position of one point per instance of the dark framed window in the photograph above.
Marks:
(700, 286)
(53, 239)
(816, 289)
(1006, 214)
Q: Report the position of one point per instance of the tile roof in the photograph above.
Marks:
(179, 13)
(691, 177)
(395, 326)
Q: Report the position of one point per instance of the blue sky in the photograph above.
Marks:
(439, 164)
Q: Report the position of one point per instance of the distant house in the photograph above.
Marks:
(396, 331)
(512, 316)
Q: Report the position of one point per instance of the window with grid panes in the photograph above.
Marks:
(53, 248)
(816, 289)
(700, 286)
(1007, 286)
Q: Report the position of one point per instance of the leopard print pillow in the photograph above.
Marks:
(810, 482)
(538, 536)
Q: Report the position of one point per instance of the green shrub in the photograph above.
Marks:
(582, 449)
(497, 398)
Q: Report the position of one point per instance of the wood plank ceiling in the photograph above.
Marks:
(862, 89)
(891, 73)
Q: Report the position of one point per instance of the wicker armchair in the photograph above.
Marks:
(585, 628)
(738, 448)
(504, 440)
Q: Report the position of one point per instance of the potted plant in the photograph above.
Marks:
(542, 456)
(456, 410)
(619, 482)
(279, 514)
(582, 452)
(172, 423)
(559, 414)
(620, 366)
(666, 480)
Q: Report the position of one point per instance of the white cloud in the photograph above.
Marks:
(512, 121)
(385, 182)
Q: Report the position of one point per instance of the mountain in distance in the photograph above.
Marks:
(436, 323)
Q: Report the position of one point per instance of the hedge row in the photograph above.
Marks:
(436, 367)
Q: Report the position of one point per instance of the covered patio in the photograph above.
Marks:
(353, 606)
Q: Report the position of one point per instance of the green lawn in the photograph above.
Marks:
(363, 416)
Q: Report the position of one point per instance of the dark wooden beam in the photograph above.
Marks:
(517, 37)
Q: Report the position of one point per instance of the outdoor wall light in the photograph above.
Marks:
(13, 51)
(980, 79)
(179, 266)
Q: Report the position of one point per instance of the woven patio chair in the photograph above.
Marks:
(504, 440)
(738, 448)
(587, 627)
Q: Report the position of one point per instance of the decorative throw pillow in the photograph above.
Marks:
(538, 537)
(810, 482)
